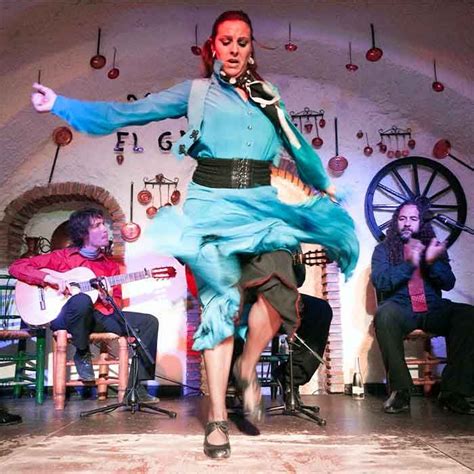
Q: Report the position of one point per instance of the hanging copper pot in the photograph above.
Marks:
(62, 136)
(130, 231)
(368, 150)
(195, 49)
(119, 159)
(151, 211)
(317, 141)
(374, 53)
(360, 134)
(175, 197)
(144, 197)
(114, 72)
(98, 61)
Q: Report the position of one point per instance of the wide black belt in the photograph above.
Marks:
(232, 173)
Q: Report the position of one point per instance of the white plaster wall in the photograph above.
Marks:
(153, 40)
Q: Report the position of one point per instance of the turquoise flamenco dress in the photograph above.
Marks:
(218, 225)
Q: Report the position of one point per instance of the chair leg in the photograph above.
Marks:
(40, 365)
(19, 368)
(60, 368)
(103, 372)
(427, 369)
(123, 367)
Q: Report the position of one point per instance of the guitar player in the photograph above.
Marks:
(79, 315)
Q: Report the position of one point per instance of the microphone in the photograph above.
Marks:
(448, 221)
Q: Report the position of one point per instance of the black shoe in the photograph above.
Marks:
(398, 402)
(84, 367)
(456, 403)
(280, 375)
(9, 418)
(251, 394)
(217, 451)
(144, 396)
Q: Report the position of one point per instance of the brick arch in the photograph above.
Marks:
(23, 208)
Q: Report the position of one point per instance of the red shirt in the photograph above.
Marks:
(28, 270)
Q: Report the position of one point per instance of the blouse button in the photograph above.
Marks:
(249, 143)
(250, 127)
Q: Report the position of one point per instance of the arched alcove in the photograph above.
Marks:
(22, 209)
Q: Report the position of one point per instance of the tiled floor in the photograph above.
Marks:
(358, 438)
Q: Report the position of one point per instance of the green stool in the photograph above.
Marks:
(14, 338)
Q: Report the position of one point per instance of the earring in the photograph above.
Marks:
(213, 55)
(251, 61)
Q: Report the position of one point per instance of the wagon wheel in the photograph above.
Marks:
(411, 178)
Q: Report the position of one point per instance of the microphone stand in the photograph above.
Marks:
(292, 407)
(131, 399)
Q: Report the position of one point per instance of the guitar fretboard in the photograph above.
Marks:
(86, 286)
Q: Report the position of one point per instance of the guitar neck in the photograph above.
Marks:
(115, 280)
(135, 276)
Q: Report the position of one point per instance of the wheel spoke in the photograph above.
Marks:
(384, 207)
(439, 194)
(385, 224)
(417, 179)
(404, 185)
(392, 192)
(429, 183)
(452, 207)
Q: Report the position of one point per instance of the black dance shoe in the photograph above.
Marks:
(398, 402)
(9, 418)
(217, 451)
(456, 403)
(251, 394)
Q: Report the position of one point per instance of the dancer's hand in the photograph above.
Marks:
(43, 99)
(331, 192)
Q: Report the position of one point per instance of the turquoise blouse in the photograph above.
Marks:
(232, 127)
(216, 225)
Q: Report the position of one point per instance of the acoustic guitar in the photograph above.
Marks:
(38, 306)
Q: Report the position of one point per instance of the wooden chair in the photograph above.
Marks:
(28, 356)
(104, 360)
(425, 364)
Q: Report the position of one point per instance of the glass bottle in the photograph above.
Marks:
(357, 383)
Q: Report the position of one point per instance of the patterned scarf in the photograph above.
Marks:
(261, 94)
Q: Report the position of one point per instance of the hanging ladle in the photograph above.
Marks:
(351, 66)
(442, 149)
(195, 49)
(374, 53)
(98, 61)
(338, 163)
(114, 72)
(62, 136)
(290, 46)
(130, 231)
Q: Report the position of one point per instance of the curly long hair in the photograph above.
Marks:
(79, 223)
(206, 55)
(393, 240)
